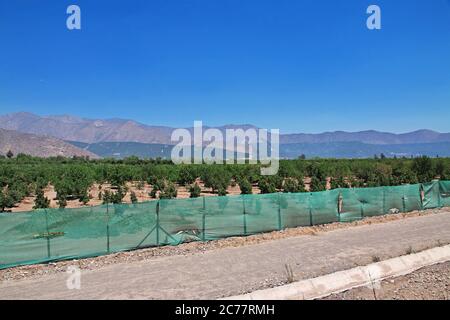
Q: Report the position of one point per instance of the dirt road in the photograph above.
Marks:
(232, 271)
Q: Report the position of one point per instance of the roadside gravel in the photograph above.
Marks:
(429, 283)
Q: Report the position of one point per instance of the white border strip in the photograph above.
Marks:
(348, 279)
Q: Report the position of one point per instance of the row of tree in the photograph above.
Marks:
(23, 176)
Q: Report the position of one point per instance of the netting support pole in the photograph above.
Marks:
(310, 211)
(439, 195)
(404, 203)
(204, 220)
(107, 228)
(384, 200)
(48, 235)
(339, 206)
(156, 228)
(362, 210)
(422, 196)
(245, 215)
(279, 212)
(157, 223)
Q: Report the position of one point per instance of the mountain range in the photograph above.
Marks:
(120, 137)
(39, 146)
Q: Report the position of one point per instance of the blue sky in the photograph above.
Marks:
(297, 65)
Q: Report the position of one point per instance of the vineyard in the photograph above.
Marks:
(75, 182)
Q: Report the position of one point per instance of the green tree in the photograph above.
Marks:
(194, 191)
(423, 168)
(114, 197)
(338, 183)
(186, 175)
(169, 191)
(41, 202)
(216, 178)
(133, 197)
(267, 185)
(117, 197)
(6, 201)
(222, 191)
(106, 197)
(62, 201)
(291, 185)
(439, 168)
(317, 185)
(245, 186)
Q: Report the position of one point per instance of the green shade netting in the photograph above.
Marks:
(431, 195)
(444, 193)
(56, 234)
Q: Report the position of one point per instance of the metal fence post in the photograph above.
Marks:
(339, 206)
(245, 215)
(48, 234)
(310, 210)
(157, 223)
(422, 195)
(279, 211)
(404, 203)
(439, 194)
(107, 229)
(204, 220)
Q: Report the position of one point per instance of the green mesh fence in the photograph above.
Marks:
(359, 203)
(58, 234)
(431, 195)
(444, 193)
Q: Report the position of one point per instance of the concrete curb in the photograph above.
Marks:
(340, 281)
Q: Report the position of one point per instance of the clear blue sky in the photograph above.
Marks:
(297, 65)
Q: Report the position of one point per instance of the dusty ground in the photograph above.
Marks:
(226, 268)
(200, 247)
(429, 283)
(142, 194)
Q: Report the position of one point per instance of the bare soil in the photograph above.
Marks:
(428, 283)
(142, 195)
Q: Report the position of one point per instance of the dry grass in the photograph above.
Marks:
(289, 273)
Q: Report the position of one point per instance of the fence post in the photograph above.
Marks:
(422, 195)
(404, 203)
(279, 211)
(310, 210)
(107, 228)
(48, 234)
(384, 200)
(339, 206)
(157, 223)
(244, 214)
(204, 220)
(439, 194)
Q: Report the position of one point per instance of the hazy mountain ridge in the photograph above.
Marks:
(368, 137)
(39, 146)
(364, 150)
(72, 128)
(310, 150)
